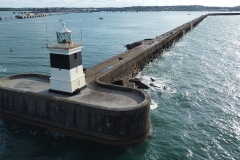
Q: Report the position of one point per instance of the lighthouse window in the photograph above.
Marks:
(75, 55)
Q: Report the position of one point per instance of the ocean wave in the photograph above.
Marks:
(153, 105)
(3, 69)
(156, 83)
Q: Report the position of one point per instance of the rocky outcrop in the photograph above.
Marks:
(139, 83)
(133, 45)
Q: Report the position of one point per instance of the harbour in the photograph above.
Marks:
(130, 61)
(143, 48)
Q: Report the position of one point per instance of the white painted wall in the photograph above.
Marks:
(67, 86)
(61, 86)
(67, 75)
(78, 83)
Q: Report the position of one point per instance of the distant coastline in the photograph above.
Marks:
(129, 9)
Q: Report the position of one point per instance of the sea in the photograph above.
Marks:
(197, 117)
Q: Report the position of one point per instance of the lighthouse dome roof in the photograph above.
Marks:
(64, 30)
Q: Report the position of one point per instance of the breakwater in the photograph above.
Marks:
(103, 122)
(30, 15)
(126, 65)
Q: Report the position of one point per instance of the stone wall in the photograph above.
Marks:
(108, 126)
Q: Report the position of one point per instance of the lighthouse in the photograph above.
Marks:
(67, 75)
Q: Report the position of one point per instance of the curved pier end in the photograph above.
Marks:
(111, 115)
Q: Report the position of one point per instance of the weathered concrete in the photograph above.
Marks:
(103, 112)
(91, 95)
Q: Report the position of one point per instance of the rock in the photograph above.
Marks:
(133, 45)
(139, 84)
(142, 86)
(153, 79)
(152, 84)
(167, 88)
(134, 80)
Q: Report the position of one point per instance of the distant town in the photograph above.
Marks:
(127, 9)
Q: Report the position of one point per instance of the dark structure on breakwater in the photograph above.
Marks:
(30, 15)
(103, 112)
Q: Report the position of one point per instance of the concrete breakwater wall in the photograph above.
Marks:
(30, 16)
(149, 50)
(145, 53)
(223, 14)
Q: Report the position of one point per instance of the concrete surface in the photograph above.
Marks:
(91, 95)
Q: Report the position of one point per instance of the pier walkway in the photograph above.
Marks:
(93, 95)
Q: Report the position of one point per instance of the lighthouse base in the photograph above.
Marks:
(76, 92)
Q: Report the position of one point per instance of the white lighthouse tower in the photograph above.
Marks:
(67, 75)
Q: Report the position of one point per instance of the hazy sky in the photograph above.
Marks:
(113, 3)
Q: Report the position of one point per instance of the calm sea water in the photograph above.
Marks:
(197, 117)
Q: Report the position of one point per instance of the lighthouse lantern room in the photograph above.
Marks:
(67, 75)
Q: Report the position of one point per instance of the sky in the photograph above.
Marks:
(113, 3)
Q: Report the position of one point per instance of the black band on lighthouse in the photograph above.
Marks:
(65, 61)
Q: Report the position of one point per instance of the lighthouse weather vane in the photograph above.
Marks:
(62, 21)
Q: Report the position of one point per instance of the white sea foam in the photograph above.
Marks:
(3, 69)
(154, 82)
(153, 105)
